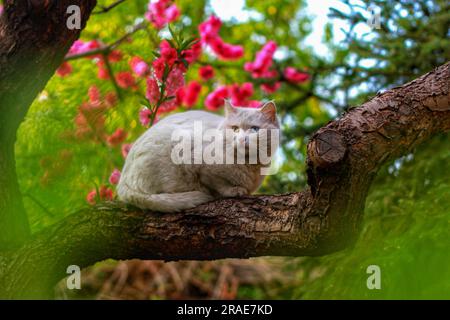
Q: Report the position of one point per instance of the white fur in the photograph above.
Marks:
(150, 180)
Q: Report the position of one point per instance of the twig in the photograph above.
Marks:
(107, 48)
(39, 204)
(111, 76)
(108, 8)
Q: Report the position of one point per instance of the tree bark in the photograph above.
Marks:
(34, 39)
(343, 158)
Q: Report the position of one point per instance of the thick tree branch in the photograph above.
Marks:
(33, 41)
(343, 158)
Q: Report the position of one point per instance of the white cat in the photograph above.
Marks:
(151, 180)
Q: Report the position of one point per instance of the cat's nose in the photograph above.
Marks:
(243, 140)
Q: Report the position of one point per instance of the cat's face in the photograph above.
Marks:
(251, 126)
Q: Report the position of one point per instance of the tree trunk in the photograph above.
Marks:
(343, 158)
(33, 42)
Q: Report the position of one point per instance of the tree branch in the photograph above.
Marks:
(106, 49)
(108, 8)
(343, 158)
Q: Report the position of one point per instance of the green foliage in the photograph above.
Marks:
(413, 38)
(406, 232)
(407, 213)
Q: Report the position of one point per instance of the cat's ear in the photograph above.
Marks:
(270, 110)
(229, 109)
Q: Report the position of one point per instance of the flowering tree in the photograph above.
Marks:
(119, 79)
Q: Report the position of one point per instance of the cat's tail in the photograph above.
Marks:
(164, 202)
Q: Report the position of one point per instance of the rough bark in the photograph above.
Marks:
(343, 158)
(33, 42)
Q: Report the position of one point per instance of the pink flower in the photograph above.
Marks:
(209, 33)
(115, 56)
(172, 13)
(263, 61)
(191, 93)
(1, 9)
(94, 94)
(215, 99)
(144, 116)
(79, 46)
(152, 93)
(174, 81)
(295, 76)
(158, 67)
(64, 69)
(192, 54)
(225, 50)
(209, 29)
(117, 137)
(104, 194)
(254, 104)
(103, 73)
(161, 12)
(206, 72)
(125, 149)
(114, 177)
(110, 99)
(125, 80)
(241, 94)
(271, 87)
(139, 66)
(168, 54)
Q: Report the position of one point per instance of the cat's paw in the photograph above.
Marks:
(234, 192)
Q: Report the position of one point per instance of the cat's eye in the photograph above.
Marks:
(254, 129)
(235, 128)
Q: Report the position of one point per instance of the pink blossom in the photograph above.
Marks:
(115, 56)
(254, 104)
(79, 46)
(263, 61)
(144, 116)
(206, 72)
(111, 99)
(64, 69)
(117, 137)
(225, 50)
(139, 66)
(168, 54)
(295, 76)
(193, 53)
(103, 72)
(174, 81)
(209, 32)
(191, 93)
(209, 29)
(241, 94)
(104, 194)
(114, 177)
(271, 87)
(126, 80)
(94, 94)
(161, 12)
(125, 149)
(152, 93)
(158, 67)
(215, 99)
(172, 13)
